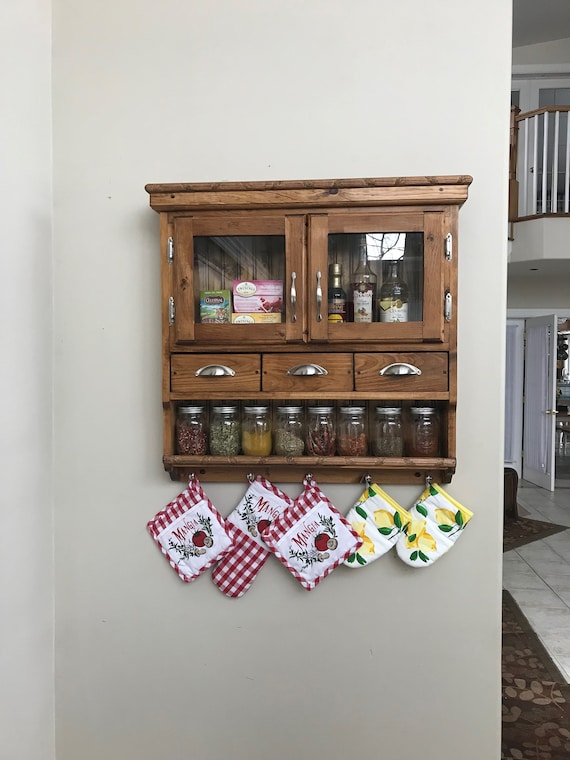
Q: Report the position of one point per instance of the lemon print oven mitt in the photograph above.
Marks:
(378, 520)
(437, 522)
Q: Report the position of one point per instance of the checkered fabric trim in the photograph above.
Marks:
(182, 505)
(235, 572)
(348, 542)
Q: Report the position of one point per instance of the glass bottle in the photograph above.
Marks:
(363, 287)
(191, 431)
(321, 431)
(225, 431)
(394, 295)
(256, 431)
(289, 435)
(336, 295)
(388, 439)
(423, 437)
(352, 440)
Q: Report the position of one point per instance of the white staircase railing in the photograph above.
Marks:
(540, 162)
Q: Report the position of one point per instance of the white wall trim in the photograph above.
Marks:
(529, 313)
(540, 70)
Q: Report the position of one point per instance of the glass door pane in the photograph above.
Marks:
(239, 279)
(393, 265)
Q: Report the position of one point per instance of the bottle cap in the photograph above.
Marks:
(224, 409)
(256, 409)
(320, 409)
(190, 409)
(388, 410)
(423, 410)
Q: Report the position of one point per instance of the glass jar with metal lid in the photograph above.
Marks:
(225, 431)
(423, 439)
(256, 431)
(289, 434)
(191, 431)
(321, 431)
(352, 437)
(388, 438)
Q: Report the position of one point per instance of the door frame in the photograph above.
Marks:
(529, 313)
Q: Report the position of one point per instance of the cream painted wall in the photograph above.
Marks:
(26, 336)
(388, 660)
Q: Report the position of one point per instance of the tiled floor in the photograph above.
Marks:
(538, 574)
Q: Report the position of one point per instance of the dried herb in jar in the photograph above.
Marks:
(288, 444)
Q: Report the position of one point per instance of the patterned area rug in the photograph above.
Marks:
(522, 531)
(535, 697)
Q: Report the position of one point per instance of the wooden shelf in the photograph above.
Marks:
(328, 469)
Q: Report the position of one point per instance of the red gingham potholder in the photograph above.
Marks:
(191, 533)
(311, 537)
(261, 504)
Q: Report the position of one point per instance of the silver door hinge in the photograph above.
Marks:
(171, 310)
(448, 246)
(170, 250)
(448, 306)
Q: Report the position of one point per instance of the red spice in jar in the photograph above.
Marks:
(191, 433)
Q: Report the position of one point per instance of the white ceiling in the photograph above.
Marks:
(540, 21)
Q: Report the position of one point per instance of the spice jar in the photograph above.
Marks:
(321, 431)
(191, 431)
(352, 439)
(423, 433)
(289, 437)
(388, 439)
(225, 431)
(256, 431)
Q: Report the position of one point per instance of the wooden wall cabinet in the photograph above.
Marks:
(291, 231)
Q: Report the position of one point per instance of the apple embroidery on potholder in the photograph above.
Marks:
(261, 504)
(191, 533)
(319, 551)
(311, 538)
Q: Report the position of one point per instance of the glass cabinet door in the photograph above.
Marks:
(381, 276)
(238, 279)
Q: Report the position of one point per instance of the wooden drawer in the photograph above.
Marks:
(278, 372)
(246, 369)
(433, 369)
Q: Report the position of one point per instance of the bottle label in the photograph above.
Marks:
(393, 310)
(337, 310)
(362, 295)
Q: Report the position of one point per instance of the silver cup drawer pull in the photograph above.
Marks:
(307, 369)
(400, 369)
(215, 370)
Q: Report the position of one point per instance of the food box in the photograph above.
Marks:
(215, 307)
(259, 296)
(244, 318)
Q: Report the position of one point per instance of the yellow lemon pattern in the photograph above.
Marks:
(378, 520)
(437, 522)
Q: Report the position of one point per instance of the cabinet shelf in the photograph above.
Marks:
(335, 469)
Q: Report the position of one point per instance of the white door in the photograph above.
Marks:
(539, 437)
(514, 390)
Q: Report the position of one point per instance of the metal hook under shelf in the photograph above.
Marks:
(250, 477)
(429, 480)
(309, 478)
(366, 479)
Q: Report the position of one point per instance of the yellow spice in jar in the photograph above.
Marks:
(256, 444)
